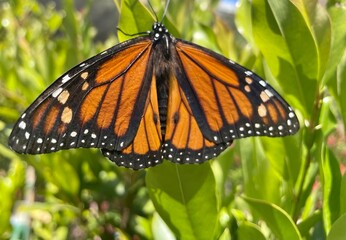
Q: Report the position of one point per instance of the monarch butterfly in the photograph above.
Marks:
(151, 98)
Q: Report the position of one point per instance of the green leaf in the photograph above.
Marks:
(160, 229)
(185, 197)
(282, 32)
(57, 170)
(341, 82)
(279, 222)
(307, 224)
(343, 195)
(134, 18)
(260, 179)
(71, 26)
(338, 230)
(327, 119)
(248, 230)
(337, 15)
(243, 20)
(331, 179)
(336, 74)
(10, 184)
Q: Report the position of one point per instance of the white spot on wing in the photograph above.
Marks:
(84, 75)
(248, 73)
(289, 122)
(56, 92)
(263, 83)
(291, 115)
(65, 78)
(63, 97)
(268, 92)
(22, 125)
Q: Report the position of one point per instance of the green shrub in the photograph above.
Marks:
(261, 188)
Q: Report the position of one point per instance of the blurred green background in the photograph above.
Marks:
(260, 188)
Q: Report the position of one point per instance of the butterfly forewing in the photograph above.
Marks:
(236, 103)
(99, 103)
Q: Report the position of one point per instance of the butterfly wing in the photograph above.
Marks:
(145, 150)
(184, 139)
(220, 101)
(98, 103)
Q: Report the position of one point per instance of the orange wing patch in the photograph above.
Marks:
(112, 102)
(184, 141)
(51, 119)
(109, 104)
(92, 105)
(211, 64)
(201, 82)
(145, 150)
(133, 81)
(236, 103)
(216, 91)
(120, 62)
(39, 113)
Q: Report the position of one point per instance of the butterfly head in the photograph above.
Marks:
(161, 37)
(159, 31)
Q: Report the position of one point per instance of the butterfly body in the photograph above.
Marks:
(151, 98)
(163, 68)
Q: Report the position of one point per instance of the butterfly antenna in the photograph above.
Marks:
(152, 9)
(165, 12)
(132, 35)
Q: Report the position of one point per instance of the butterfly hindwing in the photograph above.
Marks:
(98, 103)
(236, 103)
(145, 150)
(185, 142)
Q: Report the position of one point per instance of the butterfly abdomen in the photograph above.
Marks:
(163, 105)
(162, 88)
